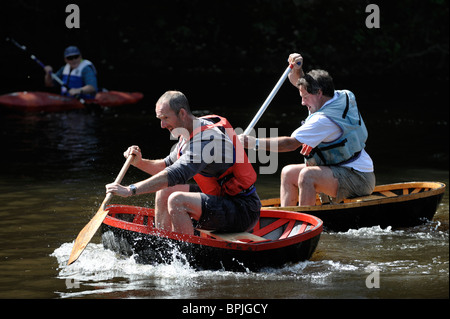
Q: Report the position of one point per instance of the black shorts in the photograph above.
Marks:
(228, 213)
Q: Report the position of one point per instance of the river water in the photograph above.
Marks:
(52, 176)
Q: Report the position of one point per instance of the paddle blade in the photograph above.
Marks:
(86, 234)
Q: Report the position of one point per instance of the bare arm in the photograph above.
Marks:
(150, 185)
(279, 144)
(87, 89)
(275, 144)
(151, 167)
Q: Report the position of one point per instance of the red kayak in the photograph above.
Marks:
(50, 102)
(116, 98)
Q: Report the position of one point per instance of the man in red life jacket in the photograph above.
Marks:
(209, 151)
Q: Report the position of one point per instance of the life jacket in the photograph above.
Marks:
(348, 146)
(73, 79)
(238, 179)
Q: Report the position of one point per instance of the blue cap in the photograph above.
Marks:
(72, 50)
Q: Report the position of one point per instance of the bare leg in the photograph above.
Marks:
(183, 206)
(316, 179)
(289, 184)
(162, 217)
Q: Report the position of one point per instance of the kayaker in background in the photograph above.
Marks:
(224, 198)
(78, 75)
(332, 140)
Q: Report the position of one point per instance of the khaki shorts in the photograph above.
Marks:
(352, 183)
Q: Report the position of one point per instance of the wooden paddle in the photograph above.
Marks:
(86, 234)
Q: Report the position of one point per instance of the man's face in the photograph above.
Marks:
(169, 120)
(74, 61)
(311, 101)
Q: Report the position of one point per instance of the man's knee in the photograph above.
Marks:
(289, 173)
(307, 175)
(162, 195)
(175, 198)
(176, 202)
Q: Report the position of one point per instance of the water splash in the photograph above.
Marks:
(402, 253)
(101, 272)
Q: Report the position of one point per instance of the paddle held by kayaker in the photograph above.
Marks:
(78, 75)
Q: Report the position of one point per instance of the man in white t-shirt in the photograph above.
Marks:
(332, 140)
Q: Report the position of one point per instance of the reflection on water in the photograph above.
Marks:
(52, 178)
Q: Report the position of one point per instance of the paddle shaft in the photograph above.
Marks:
(268, 100)
(118, 179)
(35, 59)
(86, 234)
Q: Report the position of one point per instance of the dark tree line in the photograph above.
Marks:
(136, 38)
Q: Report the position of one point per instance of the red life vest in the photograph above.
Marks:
(237, 179)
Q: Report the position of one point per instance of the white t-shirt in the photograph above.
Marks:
(319, 128)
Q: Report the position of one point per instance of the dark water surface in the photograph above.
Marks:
(52, 176)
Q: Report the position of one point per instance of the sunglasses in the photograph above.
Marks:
(72, 57)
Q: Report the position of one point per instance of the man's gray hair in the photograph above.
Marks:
(176, 101)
